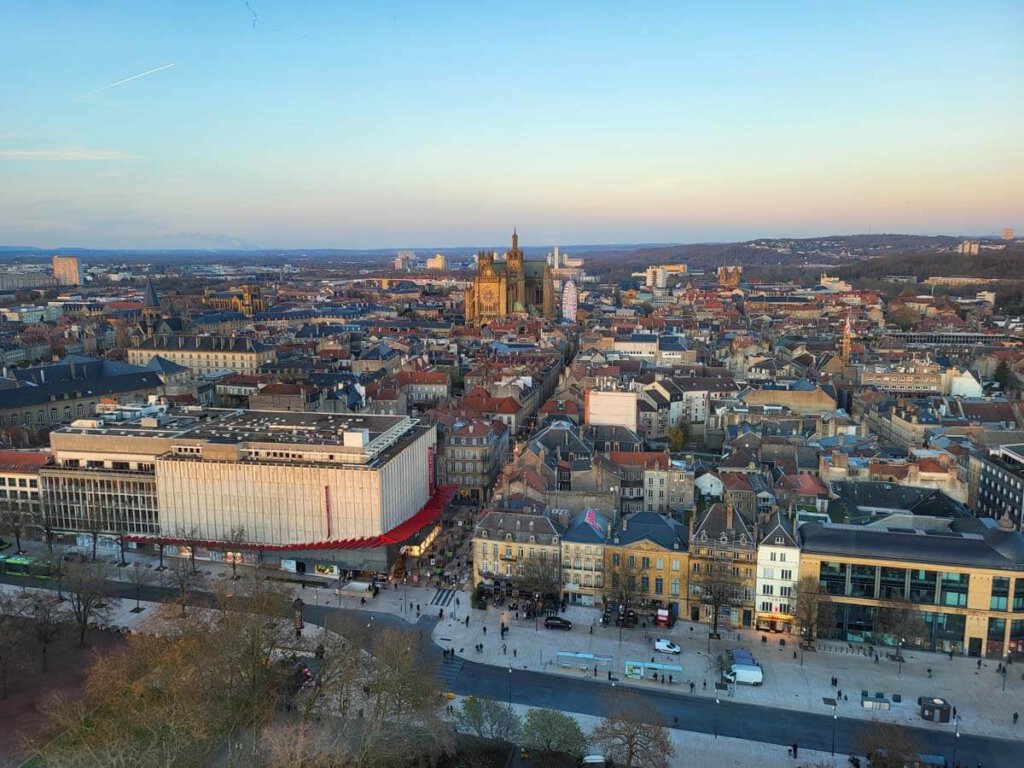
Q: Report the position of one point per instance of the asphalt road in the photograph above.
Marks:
(780, 727)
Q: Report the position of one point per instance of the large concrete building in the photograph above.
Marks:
(324, 492)
(66, 270)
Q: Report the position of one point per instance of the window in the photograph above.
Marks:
(675, 566)
(675, 587)
(645, 584)
(767, 589)
(645, 563)
(954, 589)
(787, 575)
(659, 564)
(659, 586)
(773, 557)
(786, 591)
(1000, 594)
(766, 607)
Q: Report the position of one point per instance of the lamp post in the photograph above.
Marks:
(830, 702)
(899, 657)
(510, 686)
(717, 702)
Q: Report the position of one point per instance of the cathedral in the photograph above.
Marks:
(510, 287)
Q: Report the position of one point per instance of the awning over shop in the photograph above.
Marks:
(428, 514)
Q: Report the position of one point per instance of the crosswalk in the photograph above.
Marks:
(443, 597)
(451, 667)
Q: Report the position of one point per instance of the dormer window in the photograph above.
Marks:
(508, 537)
(778, 540)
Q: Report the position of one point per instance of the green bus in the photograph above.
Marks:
(24, 565)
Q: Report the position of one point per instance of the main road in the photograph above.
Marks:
(780, 727)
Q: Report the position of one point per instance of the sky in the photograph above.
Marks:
(304, 124)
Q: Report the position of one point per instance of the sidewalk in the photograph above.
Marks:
(982, 706)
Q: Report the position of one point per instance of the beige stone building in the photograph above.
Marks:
(205, 354)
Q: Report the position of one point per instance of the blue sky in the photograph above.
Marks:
(353, 124)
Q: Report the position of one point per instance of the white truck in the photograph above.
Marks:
(747, 674)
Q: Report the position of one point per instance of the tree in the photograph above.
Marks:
(1003, 375)
(235, 539)
(538, 576)
(183, 577)
(677, 437)
(192, 538)
(14, 520)
(489, 719)
(887, 745)
(717, 588)
(905, 318)
(631, 737)
(92, 523)
(546, 730)
(87, 590)
(812, 607)
(620, 585)
(139, 575)
(898, 620)
(11, 649)
(47, 617)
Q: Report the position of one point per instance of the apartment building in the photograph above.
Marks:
(583, 555)
(502, 541)
(204, 355)
(651, 548)
(20, 491)
(778, 571)
(996, 483)
(471, 455)
(721, 541)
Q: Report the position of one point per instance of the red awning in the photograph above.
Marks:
(429, 513)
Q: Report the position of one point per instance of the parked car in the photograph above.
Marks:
(557, 622)
(666, 646)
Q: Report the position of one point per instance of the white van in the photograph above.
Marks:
(748, 674)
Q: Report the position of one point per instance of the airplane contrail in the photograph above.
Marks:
(122, 82)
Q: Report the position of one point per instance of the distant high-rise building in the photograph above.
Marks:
(404, 260)
(967, 248)
(438, 262)
(1009, 233)
(65, 269)
(570, 301)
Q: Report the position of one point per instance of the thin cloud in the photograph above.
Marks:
(64, 153)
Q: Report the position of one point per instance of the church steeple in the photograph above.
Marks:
(515, 241)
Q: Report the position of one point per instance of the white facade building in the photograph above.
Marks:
(778, 571)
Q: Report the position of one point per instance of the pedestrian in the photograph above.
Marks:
(929, 671)
(513, 653)
(485, 630)
(794, 654)
(692, 686)
(954, 713)
(467, 621)
(704, 686)
(979, 663)
(795, 749)
(839, 695)
(1016, 717)
(609, 674)
(504, 649)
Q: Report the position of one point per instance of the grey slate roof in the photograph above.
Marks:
(994, 548)
(653, 527)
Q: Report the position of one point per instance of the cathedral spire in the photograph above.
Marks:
(515, 240)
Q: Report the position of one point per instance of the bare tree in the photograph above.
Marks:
(812, 607)
(183, 577)
(898, 620)
(87, 590)
(14, 520)
(538, 577)
(11, 647)
(236, 538)
(489, 719)
(621, 583)
(717, 588)
(139, 575)
(93, 524)
(57, 567)
(192, 538)
(888, 745)
(631, 737)
(47, 617)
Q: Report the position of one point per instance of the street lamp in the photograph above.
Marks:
(956, 739)
(899, 656)
(717, 701)
(830, 702)
(510, 686)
